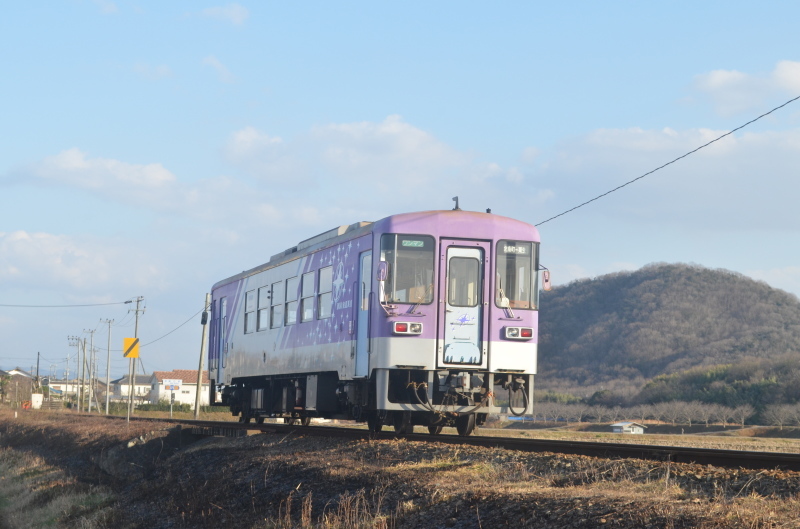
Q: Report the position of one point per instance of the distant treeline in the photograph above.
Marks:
(674, 413)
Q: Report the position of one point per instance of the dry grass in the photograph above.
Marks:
(34, 494)
(279, 481)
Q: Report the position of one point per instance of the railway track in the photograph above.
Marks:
(703, 456)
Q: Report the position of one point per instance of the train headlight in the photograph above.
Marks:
(403, 327)
(519, 333)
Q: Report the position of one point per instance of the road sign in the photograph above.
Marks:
(130, 347)
(172, 384)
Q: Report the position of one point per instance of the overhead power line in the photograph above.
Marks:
(64, 306)
(670, 162)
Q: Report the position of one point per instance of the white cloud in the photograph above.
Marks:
(152, 73)
(733, 92)
(744, 181)
(234, 13)
(223, 73)
(398, 166)
(106, 6)
(72, 164)
(43, 260)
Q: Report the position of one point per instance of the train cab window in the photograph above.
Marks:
(276, 310)
(410, 271)
(292, 286)
(516, 285)
(263, 309)
(307, 299)
(250, 312)
(325, 296)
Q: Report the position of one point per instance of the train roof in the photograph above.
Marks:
(477, 224)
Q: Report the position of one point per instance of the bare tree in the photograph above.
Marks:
(742, 413)
(779, 415)
(690, 411)
(670, 411)
(724, 414)
(706, 412)
(641, 412)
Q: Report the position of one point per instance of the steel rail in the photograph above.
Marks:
(675, 454)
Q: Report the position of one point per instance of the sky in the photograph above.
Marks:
(154, 148)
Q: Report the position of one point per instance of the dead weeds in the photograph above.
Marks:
(74, 469)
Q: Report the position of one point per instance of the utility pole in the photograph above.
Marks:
(74, 340)
(108, 364)
(138, 300)
(92, 374)
(203, 341)
(82, 407)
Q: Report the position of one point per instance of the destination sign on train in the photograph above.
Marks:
(414, 244)
(515, 249)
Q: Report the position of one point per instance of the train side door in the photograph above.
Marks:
(462, 306)
(362, 323)
(222, 336)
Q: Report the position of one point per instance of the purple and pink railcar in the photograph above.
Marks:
(417, 319)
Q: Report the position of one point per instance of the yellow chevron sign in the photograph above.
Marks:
(130, 347)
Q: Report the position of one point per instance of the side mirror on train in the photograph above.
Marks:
(503, 303)
(383, 271)
(546, 280)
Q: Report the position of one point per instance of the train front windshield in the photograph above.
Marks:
(516, 275)
(410, 274)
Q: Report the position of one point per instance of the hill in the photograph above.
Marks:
(619, 332)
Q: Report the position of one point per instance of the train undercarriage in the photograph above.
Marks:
(400, 398)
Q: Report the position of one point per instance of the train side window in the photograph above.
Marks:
(307, 301)
(325, 297)
(292, 285)
(250, 312)
(263, 308)
(276, 311)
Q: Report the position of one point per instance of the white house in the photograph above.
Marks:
(141, 388)
(65, 388)
(186, 390)
(628, 427)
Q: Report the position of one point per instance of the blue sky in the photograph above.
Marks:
(153, 148)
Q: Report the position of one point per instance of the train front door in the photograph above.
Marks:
(462, 304)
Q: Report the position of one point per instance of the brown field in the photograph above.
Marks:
(65, 470)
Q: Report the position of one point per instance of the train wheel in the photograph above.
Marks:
(435, 429)
(244, 419)
(374, 423)
(402, 422)
(259, 420)
(465, 424)
(305, 421)
(289, 420)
